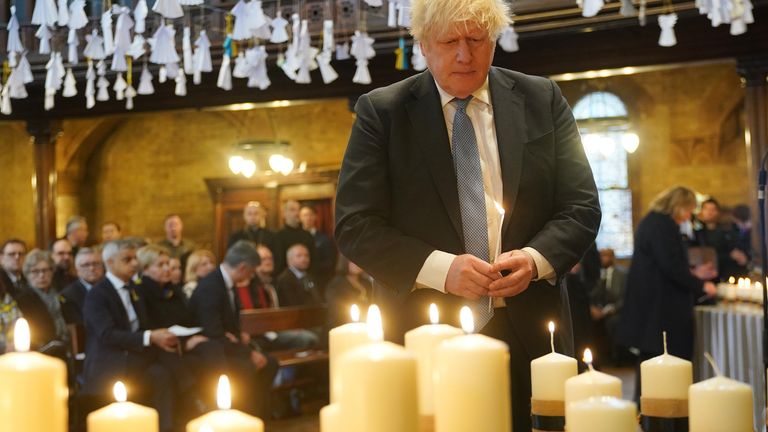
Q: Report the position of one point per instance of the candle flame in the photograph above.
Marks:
(587, 356)
(747, 282)
(121, 394)
(375, 326)
(21, 336)
(354, 311)
(205, 428)
(434, 314)
(499, 208)
(551, 327)
(731, 280)
(467, 320)
(224, 393)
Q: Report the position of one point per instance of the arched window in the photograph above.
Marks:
(605, 130)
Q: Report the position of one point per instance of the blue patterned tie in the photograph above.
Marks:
(469, 179)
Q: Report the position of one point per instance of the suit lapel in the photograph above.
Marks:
(115, 298)
(511, 135)
(429, 131)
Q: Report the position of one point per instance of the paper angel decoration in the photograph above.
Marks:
(90, 86)
(305, 55)
(241, 68)
(45, 13)
(362, 50)
(224, 80)
(164, 50)
(181, 84)
(130, 93)
(342, 51)
(279, 32)
(94, 48)
(172, 70)
(70, 85)
(327, 71)
(591, 8)
(137, 47)
(5, 101)
(72, 42)
(119, 87)
(667, 23)
(77, 17)
(392, 13)
(106, 31)
(627, 8)
(186, 50)
(140, 13)
(202, 57)
(191, 2)
(170, 9)
(291, 63)
(328, 43)
(14, 40)
(122, 38)
(44, 34)
(742, 15)
(258, 22)
(256, 60)
(145, 82)
(240, 30)
(25, 70)
(508, 39)
(404, 13)
(417, 59)
(53, 79)
(63, 18)
(15, 85)
(362, 74)
(102, 83)
(374, 3)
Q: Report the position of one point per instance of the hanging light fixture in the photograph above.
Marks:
(630, 141)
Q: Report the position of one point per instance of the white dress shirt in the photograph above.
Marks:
(480, 111)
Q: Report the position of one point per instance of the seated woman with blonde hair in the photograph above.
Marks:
(199, 264)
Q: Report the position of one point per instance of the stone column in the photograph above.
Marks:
(44, 134)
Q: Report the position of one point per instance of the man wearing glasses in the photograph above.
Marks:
(12, 260)
(90, 270)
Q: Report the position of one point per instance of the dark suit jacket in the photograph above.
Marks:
(73, 301)
(397, 199)
(112, 350)
(294, 292)
(166, 305)
(211, 307)
(289, 236)
(660, 291)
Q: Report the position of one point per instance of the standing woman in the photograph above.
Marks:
(661, 287)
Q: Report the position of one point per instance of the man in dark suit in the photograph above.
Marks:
(120, 345)
(216, 307)
(61, 252)
(12, 260)
(295, 286)
(255, 215)
(422, 221)
(90, 271)
(290, 234)
(324, 261)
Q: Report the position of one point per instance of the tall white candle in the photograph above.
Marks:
(123, 416)
(602, 414)
(33, 388)
(423, 342)
(472, 383)
(329, 418)
(340, 340)
(549, 373)
(720, 404)
(379, 385)
(226, 419)
(666, 376)
(590, 384)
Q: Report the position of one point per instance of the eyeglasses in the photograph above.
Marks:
(90, 264)
(39, 272)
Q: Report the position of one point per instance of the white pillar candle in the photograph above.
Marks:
(472, 383)
(33, 388)
(329, 418)
(123, 416)
(422, 342)
(601, 414)
(378, 381)
(666, 376)
(225, 419)
(590, 384)
(549, 373)
(720, 404)
(340, 340)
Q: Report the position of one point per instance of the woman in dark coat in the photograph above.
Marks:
(661, 287)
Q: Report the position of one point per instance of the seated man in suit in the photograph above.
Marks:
(217, 308)
(13, 253)
(120, 345)
(61, 252)
(295, 286)
(90, 270)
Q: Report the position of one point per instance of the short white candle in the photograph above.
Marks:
(591, 384)
(666, 376)
(472, 383)
(226, 419)
(601, 414)
(423, 342)
(340, 340)
(122, 416)
(549, 373)
(720, 404)
(329, 418)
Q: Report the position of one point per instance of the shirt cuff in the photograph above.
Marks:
(147, 333)
(434, 271)
(543, 267)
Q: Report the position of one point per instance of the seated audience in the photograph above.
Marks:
(255, 217)
(295, 286)
(110, 231)
(90, 271)
(217, 308)
(14, 250)
(350, 286)
(174, 267)
(120, 344)
(77, 233)
(38, 269)
(199, 264)
(291, 234)
(61, 252)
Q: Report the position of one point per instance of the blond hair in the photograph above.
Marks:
(148, 254)
(433, 18)
(674, 200)
(190, 273)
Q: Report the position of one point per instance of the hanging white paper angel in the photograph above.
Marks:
(305, 55)
(45, 13)
(137, 47)
(392, 13)
(63, 17)
(90, 86)
(291, 63)
(202, 57)
(362, 50)
(44, 34)
(404, 13)
(279, 30)
(77, 17)
(106, 31)
(122, 38)
(164, 49)
(327, 72)
(591, 8)
(145, 82)
(627, 9)
(742, 15)
(240, 30)
(241, 68)
(15, 85)
(72, 42)
(181, 84)
(14, 40)
(53, 79)
(119, 87)
(140, 13)
(342, 51)
(508, 39)
(170, 9)
(374, 3)
(258, 22)
(70, 85)
(130, 93)
(24, 70)
(191, 2)
(224, 80)
(186, 50)
(94, 48)
(102, 83)
(667, 23)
